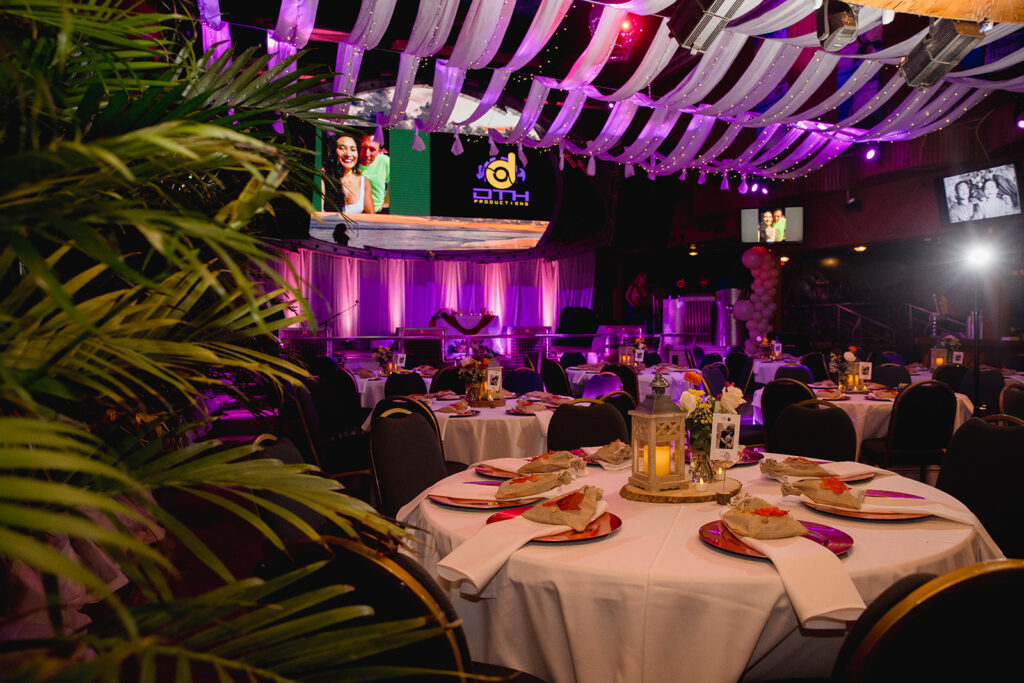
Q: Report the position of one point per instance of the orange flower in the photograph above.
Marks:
(833, 484)
(520, 480)
(485, 361)
(694, 378)
(571, 501)
(852, 348)
(770, 512)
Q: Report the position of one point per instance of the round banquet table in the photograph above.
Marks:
(871, 418)
(371, 391)
(764, 370)
(652, 600)
(492, 434)
(677, 381)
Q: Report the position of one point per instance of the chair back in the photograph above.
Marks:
(951, 374)
(410, 404)
(522, 380)
(740, 366)
(406, 456)
(715, 376)
(448, 379)
(1011, 400)
(1016, 363)
(284, 450)
(299, 421)
(890, 374)
(555, 379)
(630, 382)
(977, 452)
(600, 384)
(698, 356)
(689, 358)
(624, 403)
(348, 413)
(404, 383)
(814, 429)
(791, 349)
(921, 622)
(651, 358)
(572, 358)
(891, 357)
(777, 395)
(528, 362)
(1003, 420)
(922, 418)
(801, 373)
(992, 383)
(815, 362)
(709, 358)
(578, 320)
(588, 422)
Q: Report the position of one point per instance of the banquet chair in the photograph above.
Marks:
(689, 359)
(1011, 400)
(906, 641)
(801, 373)
(715, 376)
(404, 384)
(448, 379)
(652, 358)
(522, 381)
(776, 396)
(1016, 363)
(627, 374)
(571, 359)
(815, 362)
(410, 404)
(585, 422)
(397, 588)
(741, 368)
(555, 379)
(791, 350)
(978, 453)
(1003, 420)
(406, 456)
(601, 383)
(624, 403)
(814, 429)
(890, 357)
(920, 426)
(284, 450)
(709, 358)
(952, 374)
(890, 374)
(698, 356)
(992, 383)
(528, 362)
(348, 414)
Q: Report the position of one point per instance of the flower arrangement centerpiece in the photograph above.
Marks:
(699, 408)
(842, 366)
(382, 354)
(951, 343)
(473, 371)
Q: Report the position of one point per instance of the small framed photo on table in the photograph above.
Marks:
(494, 380)
(958, 357)
(400, 360)
(725, 437)
(864, 371)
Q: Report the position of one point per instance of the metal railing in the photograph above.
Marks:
(839, 324)
(931, 324)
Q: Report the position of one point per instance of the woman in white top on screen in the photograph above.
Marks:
(356, 186)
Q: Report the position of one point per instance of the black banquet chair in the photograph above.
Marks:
(571, 359)
(630, 381)
(951, 374)
(777, 395)
(585, 422)
(555, 379)
(522, 381)
(1011, 400)
(600, 384)
(920, 426)
(709, 358)
(1016, 363)
(815, 362)
(890, 374)
(406, 456)
(715, 376)
(814, 429)
(624, 403)
(741, 368)
(801, 373)
(404, 384)
(992, 383)
(979, 452)
(447, 379)
(652, 358)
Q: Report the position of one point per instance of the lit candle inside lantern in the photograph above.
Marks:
(661, 465)
(939, 360)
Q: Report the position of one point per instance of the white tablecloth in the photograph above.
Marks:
(677, 381)
(653, 603)
(372, 390)
(492, 434)
(871, 418)
(764, 370)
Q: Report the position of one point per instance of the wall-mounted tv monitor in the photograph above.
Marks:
(979, 195)
(771, 224)
(434, 200)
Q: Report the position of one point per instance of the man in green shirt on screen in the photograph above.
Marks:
(376, 166)
(779, 223)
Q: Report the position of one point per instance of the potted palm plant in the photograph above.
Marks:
(132, 174)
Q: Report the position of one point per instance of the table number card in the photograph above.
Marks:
(725, 442)
(400, 360)
(494, 379)
(776, 348)
(958, 357)
(638, 356)
(864, 371)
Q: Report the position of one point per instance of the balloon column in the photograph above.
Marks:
(760, 308)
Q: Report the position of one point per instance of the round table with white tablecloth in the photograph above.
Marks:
(371, 391)
(653, 603)
(677, 381)
(493, 433)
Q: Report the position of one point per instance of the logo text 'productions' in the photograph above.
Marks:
(501, 174)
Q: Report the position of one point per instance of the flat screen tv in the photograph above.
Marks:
(771, 224)
(435, 200)
(979, 195)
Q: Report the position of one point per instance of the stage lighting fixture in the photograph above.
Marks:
(837, 24)
(871, 153)
(755, 187)
(948, 41)
(979, 255)
(764, 190)
(695, 25)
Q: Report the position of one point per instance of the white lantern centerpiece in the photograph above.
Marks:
(659, 429)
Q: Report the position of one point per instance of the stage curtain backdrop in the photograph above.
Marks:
(377, 296)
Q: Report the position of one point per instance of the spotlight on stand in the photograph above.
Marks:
(948, 41)
(837, 24)
(695, 25)
(978, 257)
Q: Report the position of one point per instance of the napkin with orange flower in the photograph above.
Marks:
(818, 585)
(780, 466)
(483, 555)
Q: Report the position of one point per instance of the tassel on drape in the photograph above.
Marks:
(725, 182)
(702, 178)
(682, 176)
(493, 149)
(561, 157)
(417, 141)
(457, 144)
(522, 156)
(591, 166)
(378, 135)
(629, 171)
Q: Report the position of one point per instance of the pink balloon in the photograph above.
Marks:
(753, 257)
(742, 309)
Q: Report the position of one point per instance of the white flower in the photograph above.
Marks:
(688, 402)
(467, 361)
(850, 356)
(732, 398)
